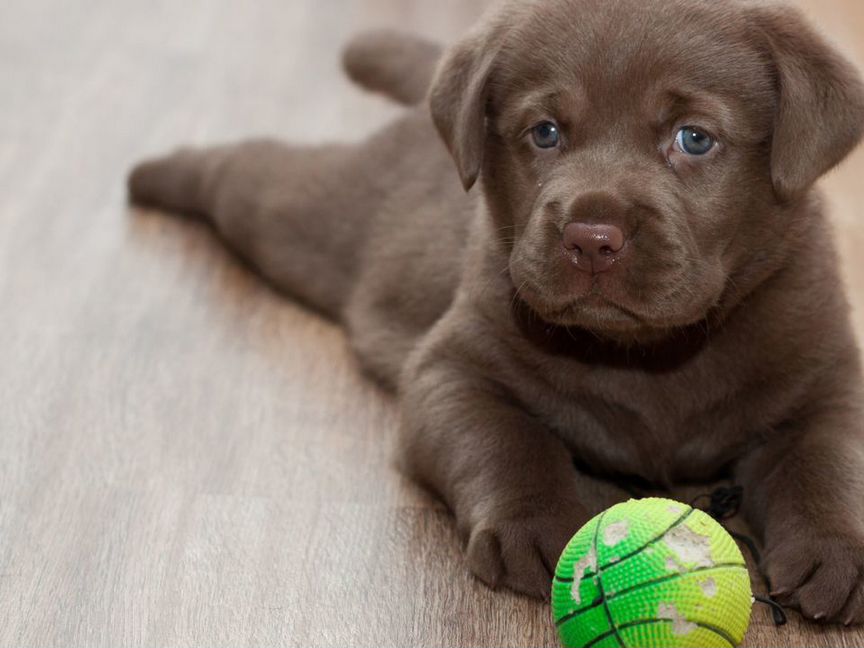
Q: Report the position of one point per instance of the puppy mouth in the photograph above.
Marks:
(597, 311)
(594, 310)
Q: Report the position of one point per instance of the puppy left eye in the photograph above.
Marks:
(693, 141)
(546, 135)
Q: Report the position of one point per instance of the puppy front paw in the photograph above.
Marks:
(820, 574)
(521, 551)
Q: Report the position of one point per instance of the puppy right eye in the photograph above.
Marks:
(546, 135)
(693, 141)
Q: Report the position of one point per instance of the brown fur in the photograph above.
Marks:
(721, 342)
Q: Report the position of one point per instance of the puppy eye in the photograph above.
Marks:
(692, 141)
(546, 135)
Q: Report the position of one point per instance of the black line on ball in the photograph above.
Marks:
(575, 613)
(599, 582)
(632, 624)
(662, 579)
(662, 535)
(671, 577)
(635, 552)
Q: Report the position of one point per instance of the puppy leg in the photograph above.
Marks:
(509, 481)
(297, 215)
(804, 492)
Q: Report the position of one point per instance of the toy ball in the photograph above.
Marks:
(652, 573)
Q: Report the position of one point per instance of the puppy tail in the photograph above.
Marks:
(395, 64)
(176, 183)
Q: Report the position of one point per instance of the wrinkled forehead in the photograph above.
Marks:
(626, 55)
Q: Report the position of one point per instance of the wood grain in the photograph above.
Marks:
(187, 459)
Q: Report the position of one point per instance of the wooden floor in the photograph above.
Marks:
(186, 459)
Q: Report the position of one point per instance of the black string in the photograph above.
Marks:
(751, 546)
(777, 611)
(724, 503)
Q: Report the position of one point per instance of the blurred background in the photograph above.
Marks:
(186, 458)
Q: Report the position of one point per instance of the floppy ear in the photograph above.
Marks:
(820, 114)
(458, 100)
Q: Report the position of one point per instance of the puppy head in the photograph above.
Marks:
(643, 161)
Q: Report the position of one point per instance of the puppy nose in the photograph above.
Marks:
(595, 247)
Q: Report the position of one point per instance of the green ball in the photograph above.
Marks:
(652, 573)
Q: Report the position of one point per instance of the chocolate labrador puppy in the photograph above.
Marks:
(642, 277)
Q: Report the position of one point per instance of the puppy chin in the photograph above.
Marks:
(608, 319)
